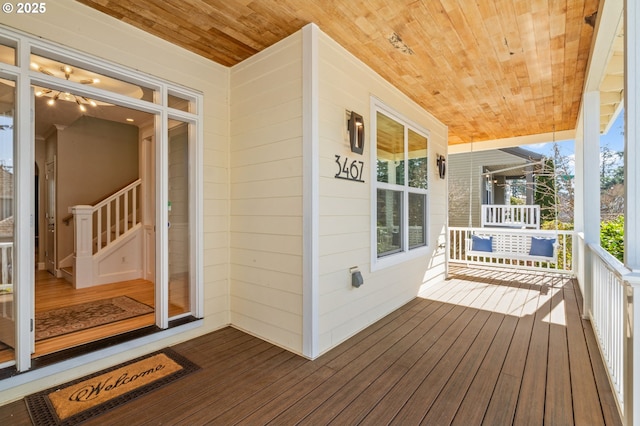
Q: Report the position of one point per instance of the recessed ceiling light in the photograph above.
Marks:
(130, 120)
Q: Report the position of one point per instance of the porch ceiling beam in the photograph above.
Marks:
(609, 18)
(517, 141)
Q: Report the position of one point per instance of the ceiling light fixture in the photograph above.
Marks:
(55, 95)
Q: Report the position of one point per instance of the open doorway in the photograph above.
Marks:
(93, 183)
(94, 260)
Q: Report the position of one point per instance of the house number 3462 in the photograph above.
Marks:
(349, 170)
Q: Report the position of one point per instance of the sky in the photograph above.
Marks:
(614, 140)
(6, 142)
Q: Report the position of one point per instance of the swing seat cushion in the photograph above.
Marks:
(542, 246)
(481, 243)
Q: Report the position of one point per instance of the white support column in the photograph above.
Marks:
(590, 185)
(310, 199)
(632, 203)
(632, 137)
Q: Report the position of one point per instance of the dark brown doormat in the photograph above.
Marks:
(90, 396)
(68, 319)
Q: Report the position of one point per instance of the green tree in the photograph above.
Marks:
(545, 191)
(611, 172)
(612, 237)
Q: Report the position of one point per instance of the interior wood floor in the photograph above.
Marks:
(52, 292)
(485, 347)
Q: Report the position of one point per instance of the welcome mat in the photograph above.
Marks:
(59, 321)
(87, 397)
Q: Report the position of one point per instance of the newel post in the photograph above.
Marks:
(82, 245)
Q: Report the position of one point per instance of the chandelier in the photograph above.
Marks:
(67, 96)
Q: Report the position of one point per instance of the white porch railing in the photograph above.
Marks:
(608, 313)
(6, 274)
(511, 248)
(6, 263)
(511, 216)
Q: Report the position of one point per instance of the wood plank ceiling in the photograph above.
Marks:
(488, 69)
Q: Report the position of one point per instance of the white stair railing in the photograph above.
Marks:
(115, 215)
(97, 227)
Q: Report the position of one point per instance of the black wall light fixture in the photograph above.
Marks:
(355, 126)
(441, 162)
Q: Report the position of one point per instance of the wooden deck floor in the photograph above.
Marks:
(485, 347)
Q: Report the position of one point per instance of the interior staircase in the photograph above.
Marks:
(107, 240)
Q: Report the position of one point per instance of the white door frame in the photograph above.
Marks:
(24, 160)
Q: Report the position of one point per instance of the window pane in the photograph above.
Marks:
(55, 107)
(180, 103)
(7, 294)
(389, 227)
(417, 160)
(179, 253)
(390, 150)
(7, 54)
(78, 75)
(417, 215)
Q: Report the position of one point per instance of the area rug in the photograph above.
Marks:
(69, 319)
(90, 396)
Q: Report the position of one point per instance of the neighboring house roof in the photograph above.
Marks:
(523, 153)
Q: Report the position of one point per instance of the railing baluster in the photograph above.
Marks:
(5, 265)
(117, 217)
(134, 201)
(126, 212)
(99, 230)
(108, 223)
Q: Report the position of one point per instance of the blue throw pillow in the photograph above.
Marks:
(479, 243)
(542, 246)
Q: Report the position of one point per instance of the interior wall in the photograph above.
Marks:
(345, 223)
(266, 194)
(95, 159)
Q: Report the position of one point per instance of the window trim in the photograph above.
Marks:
(406, 253)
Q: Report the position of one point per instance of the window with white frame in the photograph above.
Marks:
(401, 186)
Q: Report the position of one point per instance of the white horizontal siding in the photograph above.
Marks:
(266, 194)
(345, 83)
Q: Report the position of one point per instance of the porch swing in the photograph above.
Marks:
(509, 247)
